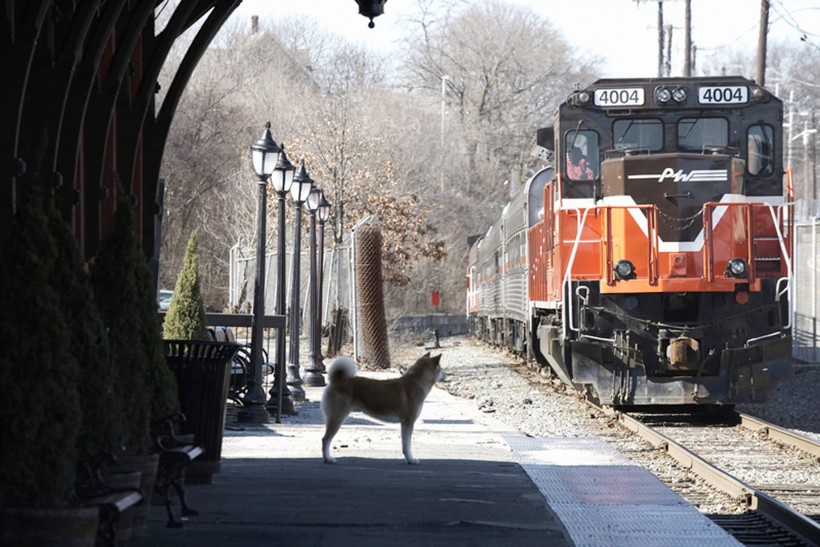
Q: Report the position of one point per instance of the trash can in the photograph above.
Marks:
(202, 370)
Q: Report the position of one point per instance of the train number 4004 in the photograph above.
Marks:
(723, 94)
(623, 96)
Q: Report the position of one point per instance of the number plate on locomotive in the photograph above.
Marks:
(727, 94)
(616, 97)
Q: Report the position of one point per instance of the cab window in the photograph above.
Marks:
(760, 139)
(582, 158)
(701, 134)
(637, 134)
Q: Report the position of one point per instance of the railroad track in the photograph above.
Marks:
(773, 471)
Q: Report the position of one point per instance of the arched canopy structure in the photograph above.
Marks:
(80, 80)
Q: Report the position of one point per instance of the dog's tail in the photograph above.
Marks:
(343, 367)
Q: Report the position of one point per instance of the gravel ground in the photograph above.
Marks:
(502, 385)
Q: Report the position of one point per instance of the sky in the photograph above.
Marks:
(622, 33)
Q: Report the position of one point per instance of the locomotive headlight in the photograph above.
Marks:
(624, 269)
(737, 267)
(662, 94)
(580, 97)
(758, 93)
(679, 94)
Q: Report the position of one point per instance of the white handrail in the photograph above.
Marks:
(581, 221)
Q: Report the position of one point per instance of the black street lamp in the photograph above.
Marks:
(265, 155)
(322, 215)
(299, 191)
(280, 400)
(314, 368)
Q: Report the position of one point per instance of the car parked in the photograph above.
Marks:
(164, 299)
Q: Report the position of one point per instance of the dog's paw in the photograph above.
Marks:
(329, 460)
(412, 461)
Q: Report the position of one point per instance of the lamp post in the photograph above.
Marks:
(264, 155)
(299, 191)
(280, 400)
(322, 215)
(314, 368)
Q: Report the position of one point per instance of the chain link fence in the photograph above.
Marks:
(336, 282)
(807, 290)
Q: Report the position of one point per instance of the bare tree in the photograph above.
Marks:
(494, 72)
(327, 105)
(504, 69)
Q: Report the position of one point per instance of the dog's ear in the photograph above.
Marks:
(436, 359)
(426, 355)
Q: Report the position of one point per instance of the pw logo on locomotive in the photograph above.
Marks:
(695, 175)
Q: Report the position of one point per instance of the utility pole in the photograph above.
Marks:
(813, 161)
(668, 67)
(660, 38)
(687, 47)
(441, 140)
(790, 135)
(763, 31)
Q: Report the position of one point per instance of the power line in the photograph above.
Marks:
(788, 17)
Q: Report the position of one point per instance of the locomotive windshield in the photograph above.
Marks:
(638, 134)
(698, 134)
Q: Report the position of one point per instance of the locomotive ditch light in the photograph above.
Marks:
(662, 94)
(737, 267)
(679, 94)
(624, 270)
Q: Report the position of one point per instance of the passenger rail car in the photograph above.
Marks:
(650, 265)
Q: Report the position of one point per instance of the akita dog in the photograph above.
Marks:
(395, 400)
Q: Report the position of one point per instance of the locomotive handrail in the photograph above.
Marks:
(583, 299)
(778, 293)
(566, 316)
(788, 259)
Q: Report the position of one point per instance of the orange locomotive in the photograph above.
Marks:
(651, 264)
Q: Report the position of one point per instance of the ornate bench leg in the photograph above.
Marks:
(166, 472)
(107, 528)
(186, 510)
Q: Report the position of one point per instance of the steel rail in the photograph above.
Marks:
(797, 523)
(780, 434)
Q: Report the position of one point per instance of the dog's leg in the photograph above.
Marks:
(406, 434)
(332, 425)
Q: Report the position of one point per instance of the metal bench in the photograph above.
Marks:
(91, 491)
(175, 453)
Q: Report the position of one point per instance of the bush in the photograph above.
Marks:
(40, 412)
(102, 412)
(127, 301)
(185, 319)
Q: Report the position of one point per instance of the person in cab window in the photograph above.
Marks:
(577, 165)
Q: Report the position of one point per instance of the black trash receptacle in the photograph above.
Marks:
(202, 370)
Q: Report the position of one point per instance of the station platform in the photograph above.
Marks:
(479, 483)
